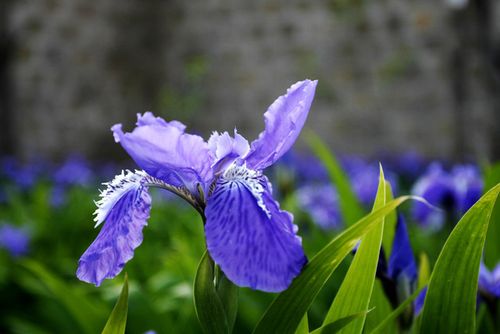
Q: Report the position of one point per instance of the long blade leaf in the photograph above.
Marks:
(450, 304)
(382, 327)
(209, 308)
(117, 321)
(286, 311)
(356, 289)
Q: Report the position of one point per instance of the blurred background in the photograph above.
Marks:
(414, 84)
(393, 76)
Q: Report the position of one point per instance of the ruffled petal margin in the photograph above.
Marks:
(254, 247)
(120, 235)
(164, 151)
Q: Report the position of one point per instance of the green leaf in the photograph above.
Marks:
(450, 303)
(389, 224)
(424, 271)
(356, 289)
(228, 294)
(117, 321)
(492, 246)
(303, 326)
(349, 205)
(209, 308)
(286, 311)
(84, 312)
(338, 325)
(381, 308)
(382, 327)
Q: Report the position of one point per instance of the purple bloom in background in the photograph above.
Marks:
(364, 179)
(247, 234)
(14, 239)
(467, 185)
(436, 186)
(321, 202)
(23, 175)
(489, 281)
(75, 171)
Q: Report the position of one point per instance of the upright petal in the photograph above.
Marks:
(247, 234)
(284, 120)
(164, 151)
(126, 213)
(226, 149)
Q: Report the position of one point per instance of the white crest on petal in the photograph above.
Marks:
(119, 186)
(251, 179)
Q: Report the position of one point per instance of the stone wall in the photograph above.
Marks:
(393, 75)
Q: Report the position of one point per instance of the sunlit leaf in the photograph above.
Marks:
(450, 304)
(384, 325)
(337, 325)
(389, 224)
(117, 321)
(286, 311)
(424, 271)
(303, 326)
(356, 289)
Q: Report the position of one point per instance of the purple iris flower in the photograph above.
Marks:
(402, 262)
(14, 239)
(321, 201)
(468, 187)
(247, 234)
(437, 187)
(489, 281)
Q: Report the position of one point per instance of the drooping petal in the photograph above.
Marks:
(122, 231)
(164, 151)
(284, 120)
(402, 261)
(248, 236)
(226, 149)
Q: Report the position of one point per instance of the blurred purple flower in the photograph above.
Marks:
(436, 186)
(14, 239)
(247, 234)
(364, 179)
(489, 281)
(75, 171)
(23, 175)
(467, 185)
(321, 202)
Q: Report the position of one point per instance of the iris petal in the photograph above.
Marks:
(226, 149)
(284, 120)
(164, 151)
(118, 238)
(402, 261)
(254, 248)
